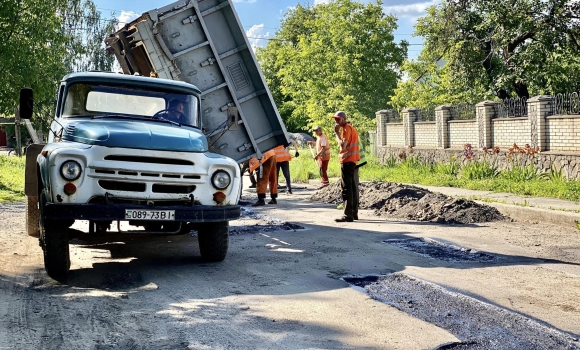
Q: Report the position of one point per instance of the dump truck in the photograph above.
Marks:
(159, 147)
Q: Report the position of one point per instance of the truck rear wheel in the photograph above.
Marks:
(213, 240)
(54, 243)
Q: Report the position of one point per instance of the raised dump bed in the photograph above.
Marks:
(202, 42)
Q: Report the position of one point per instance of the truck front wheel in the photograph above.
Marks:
(54, 243)
(213, 240)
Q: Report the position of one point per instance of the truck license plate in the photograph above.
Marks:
(163, 215)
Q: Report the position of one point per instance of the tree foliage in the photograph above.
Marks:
(497, 48)
(44, 40)
(329, 57)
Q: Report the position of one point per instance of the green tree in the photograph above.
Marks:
(43, 41)
(329, 57)
(520, 47)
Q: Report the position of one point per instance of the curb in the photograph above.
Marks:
(532, 214)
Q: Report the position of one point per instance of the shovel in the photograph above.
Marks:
(317, 164)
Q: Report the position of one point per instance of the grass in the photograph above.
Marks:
(304, 168)
(11, 179)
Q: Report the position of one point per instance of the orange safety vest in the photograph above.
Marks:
(282, 154)
(326, 153)
(254, 163)
(352, 151)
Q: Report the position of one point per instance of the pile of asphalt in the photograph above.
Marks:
(413, 203)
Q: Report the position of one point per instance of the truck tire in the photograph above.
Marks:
(55, 246)
(32, 216)
(213, 240)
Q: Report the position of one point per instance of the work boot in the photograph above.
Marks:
(344, 219)
(273, 201)
(355, 216)
(259, 203)
(289, 192)
(252, 186)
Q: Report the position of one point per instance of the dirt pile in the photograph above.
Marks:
(414, 203)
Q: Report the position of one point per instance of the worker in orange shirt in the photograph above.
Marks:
(349, 155)
(283, 159)
(322, 155)
(267, 176)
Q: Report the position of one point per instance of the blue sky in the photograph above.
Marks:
(261, 18)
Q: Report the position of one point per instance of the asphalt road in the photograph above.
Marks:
(284, 288)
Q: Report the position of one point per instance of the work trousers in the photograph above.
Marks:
(268, 178)
(246, 167)
(324, 171)
(349, 185)
(285, 166)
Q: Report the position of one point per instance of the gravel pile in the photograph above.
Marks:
(409, 202)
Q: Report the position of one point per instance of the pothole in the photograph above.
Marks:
(442, 251)
(478, 325)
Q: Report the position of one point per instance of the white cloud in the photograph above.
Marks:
(412, 10)
(318, 2)
(246, 1)
(126, 17)
(257, 35)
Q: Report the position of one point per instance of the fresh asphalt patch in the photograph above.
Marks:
(439, 250)
(260, 223)
(477, 324)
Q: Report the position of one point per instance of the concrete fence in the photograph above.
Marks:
(556, 135)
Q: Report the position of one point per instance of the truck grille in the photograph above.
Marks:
(177, 189)
(151, 177)
(149, 160)
(122, 186)
(148, 174)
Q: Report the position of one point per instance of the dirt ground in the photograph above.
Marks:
(281, 286)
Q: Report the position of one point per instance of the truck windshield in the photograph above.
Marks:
(97, 100)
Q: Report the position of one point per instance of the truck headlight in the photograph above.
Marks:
(70, 170)
(221, 179)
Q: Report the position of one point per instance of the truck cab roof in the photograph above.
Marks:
(122, 79)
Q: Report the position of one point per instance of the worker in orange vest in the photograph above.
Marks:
(267, 176)
(322, 155)
(349, 155)
(283, 159)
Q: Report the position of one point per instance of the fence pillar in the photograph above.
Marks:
(409, 118)
(539, 107)
(485, 113)
(382, 119)
(442, 116)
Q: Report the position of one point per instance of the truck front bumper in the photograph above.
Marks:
(115, 212)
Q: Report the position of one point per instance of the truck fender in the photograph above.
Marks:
(31, 189)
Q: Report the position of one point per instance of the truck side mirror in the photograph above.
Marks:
(26, 103)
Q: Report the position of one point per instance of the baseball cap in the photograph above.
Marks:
(316, 128)
(339, 114)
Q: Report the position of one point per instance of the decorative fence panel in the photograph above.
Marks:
(512, 108)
